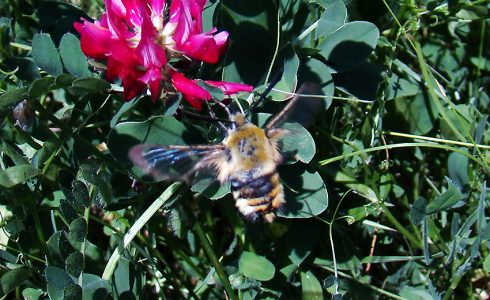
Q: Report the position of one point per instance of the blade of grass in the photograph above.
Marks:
(129, 236)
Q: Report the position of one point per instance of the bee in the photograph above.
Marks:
(247, 158)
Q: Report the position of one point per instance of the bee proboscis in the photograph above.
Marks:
(247, 158)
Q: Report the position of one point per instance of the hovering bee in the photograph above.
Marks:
(247, 158)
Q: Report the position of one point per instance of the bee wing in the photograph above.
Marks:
(301, 109)
(174, 162)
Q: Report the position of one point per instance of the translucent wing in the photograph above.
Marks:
(301, 109)
(175, 162)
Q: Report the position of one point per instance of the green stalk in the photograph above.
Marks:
(129, 236)
(415, 242)
(404, 145)
(214, 261)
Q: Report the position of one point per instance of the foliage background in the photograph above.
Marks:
(401, 148)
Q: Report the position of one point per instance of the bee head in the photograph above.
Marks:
(238, 119)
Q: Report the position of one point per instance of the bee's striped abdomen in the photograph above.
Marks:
(259, 197)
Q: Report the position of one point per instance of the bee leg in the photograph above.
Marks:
(211, 112)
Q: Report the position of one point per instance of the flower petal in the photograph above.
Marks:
(230, 88)
(192, 92)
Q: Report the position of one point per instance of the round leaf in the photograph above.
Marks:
(256, 266)
(306, 194)
(75, 263)
(46, 55)
(349, 45)
(333, 17)
(310, 286)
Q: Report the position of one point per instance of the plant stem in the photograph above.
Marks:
(214, 261)
(129, 236)
(404, 145)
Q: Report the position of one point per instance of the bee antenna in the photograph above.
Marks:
(273, 82)
(202, 117)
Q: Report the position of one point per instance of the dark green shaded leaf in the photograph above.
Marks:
(58, 280)
(80, 193)
(40, 87)
(256, 266)
(17, 174)
(75, 263)
(16, 157)
(330, 281)
(446, 200)
(210, 188)
(74, 60)
(418, 211)
(94, 85)
(310, 286)
(349, 45)
(78, 232)
(12, 279)
(68, 211)
(300, 241)
(72, 292)
(94, 287)
(306, 194)
(314, 70)
(8, 99)
(45, 54)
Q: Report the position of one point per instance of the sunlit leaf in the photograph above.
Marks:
(255, 266)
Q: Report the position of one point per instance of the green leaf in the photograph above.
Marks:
(297, 144)
(333, 17)
(41, 87)
(11, 152)
(306, 194)
(72, 292)
(12, 279)
(289, 78)
(314, 70)
(418, 211)
(10, 98)
(349, 45)
(32, 294)
(412, 293)
(80, 193)
(457, 168)
(93, 85)
(481, 63)
(399, 87)
(446, 200)
(301, 239)
(256, 266)
(310, 286)
(78, 232)
(17, 174)
(45, 54)
(58, 280)
(74, 264)
(486, 264)
(94, 287)
(210, 188)
(73, 58)
(415, 112)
